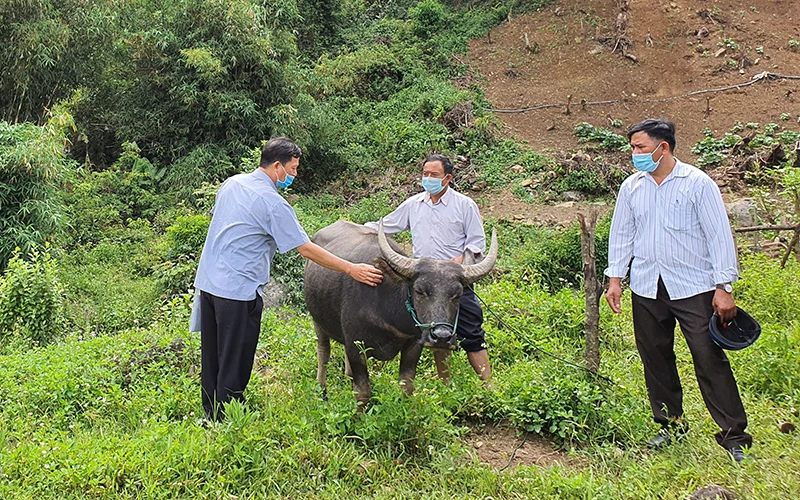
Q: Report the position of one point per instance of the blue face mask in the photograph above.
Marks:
(644, 161)
(432, 185)
(283, 184)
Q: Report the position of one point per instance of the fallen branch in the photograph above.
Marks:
(749, 229)
(757, 78)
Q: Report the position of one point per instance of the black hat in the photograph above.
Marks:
(737, 333)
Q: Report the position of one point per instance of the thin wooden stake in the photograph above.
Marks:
(792, 246)
(592, 290)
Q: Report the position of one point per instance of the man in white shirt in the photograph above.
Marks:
(670, 225)
(444, 224)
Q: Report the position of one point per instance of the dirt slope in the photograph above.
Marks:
(677, 46)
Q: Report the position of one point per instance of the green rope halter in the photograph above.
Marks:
(410, 309)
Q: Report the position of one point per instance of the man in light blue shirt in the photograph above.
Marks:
(670, 226)
(444, 224)
(250, 222)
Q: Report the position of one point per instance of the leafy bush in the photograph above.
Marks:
(554, 257)
(583, 180)
(184, 243)
(187, 236)
(428, 17)
(32, 165)
(31, 297)
(566, 407)
(586, 132)
(495, 161)
(712, 151)
(99, 201)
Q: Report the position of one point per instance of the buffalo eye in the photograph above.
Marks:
(423, 293)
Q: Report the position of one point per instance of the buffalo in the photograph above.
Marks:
(415, 306)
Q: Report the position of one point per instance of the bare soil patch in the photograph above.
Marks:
(680, 46)
(494, 445)
(506, 206)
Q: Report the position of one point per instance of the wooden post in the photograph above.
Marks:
(792, 246)
(592, 290)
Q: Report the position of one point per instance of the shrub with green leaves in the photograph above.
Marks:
(184, 243)
(32, 165)
(554, 257)
(31, 297)
(99, 201)
(187, 235)
(586, 132)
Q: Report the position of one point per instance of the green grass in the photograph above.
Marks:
(115, 416)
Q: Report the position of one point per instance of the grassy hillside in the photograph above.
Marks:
(160, 101)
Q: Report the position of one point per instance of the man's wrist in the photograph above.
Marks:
(726, 287)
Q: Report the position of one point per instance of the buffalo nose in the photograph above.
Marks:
(441, 332)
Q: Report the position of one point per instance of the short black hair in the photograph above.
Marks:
(446, 163)
(659, 129)
(280, 149)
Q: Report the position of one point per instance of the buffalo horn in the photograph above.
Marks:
(474, 272)
(400, 263)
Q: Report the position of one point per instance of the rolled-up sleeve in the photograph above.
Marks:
(716, 227)
(620, 240)
(473, 228)
(395, 222)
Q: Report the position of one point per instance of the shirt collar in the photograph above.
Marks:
(261, 175)
(680, 170)
(445, 199)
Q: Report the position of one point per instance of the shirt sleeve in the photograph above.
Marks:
(717, 230)
(620, 239)
(395, 222)
(473, 228)
(284, 228)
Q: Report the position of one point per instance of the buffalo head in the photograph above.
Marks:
(435, 289)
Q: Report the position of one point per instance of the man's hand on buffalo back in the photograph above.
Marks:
(366, 273)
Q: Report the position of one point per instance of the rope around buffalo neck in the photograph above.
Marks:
(410, 309)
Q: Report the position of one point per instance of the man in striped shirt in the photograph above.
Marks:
(444, 224)
(671, 227)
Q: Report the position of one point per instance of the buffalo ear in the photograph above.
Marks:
(384, 266)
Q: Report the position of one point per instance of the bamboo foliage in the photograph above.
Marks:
(32, 164)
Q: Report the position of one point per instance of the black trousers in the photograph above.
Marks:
(469, 330)
(229, 335)
(654, 329)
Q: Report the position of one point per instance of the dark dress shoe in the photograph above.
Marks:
(737, 453)
(659, 440)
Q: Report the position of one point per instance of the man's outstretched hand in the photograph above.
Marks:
(366, 273)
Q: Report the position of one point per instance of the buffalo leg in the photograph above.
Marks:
(357, 362)
(409, 358)
(323, 356)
